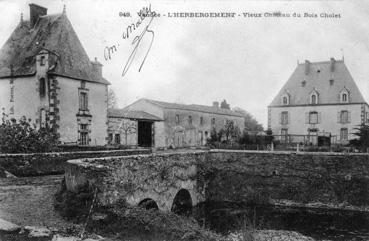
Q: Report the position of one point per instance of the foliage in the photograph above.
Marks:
(225, 105)
(251, 124)
(22, 136)
(128, 127)
(231, 131)
(254, 139)
(213, 136)
(74, 206)
(128, 222)
(269, 136)
(363, 137)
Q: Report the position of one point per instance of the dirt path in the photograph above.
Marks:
(29, 201)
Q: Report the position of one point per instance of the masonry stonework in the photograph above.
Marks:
(235, 176)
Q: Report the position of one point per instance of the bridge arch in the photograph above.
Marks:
(148, 203)
(182, 202)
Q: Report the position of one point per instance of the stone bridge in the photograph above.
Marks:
(156, 180)
(184, 179)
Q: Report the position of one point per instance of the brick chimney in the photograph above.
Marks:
(215, 104)
(97, 67)
(333, 61)
(35, 12)
(307, 66)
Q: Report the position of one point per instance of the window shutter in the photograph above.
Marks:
(288, 118)
(339, 117)
(280, 118)
(86, 101)
(348, 116)
(319, 117)
(307, 118)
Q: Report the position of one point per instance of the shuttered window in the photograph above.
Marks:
(83, 101)
(344, 117)
(314, 117)
(344, 134)
(284, 118)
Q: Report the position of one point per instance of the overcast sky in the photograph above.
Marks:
(195, 60)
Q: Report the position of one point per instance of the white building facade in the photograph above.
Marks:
(46, 76)
(319, 99)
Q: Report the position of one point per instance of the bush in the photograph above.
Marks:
(74, 206)
(21, 136)
(362, 142)
(128, 222)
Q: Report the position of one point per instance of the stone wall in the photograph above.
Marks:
(37, 164)
(329, 178)
(139, 177)
(220, 175)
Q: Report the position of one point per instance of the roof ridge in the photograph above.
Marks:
(52, 15)
(324, 62)
(206, 108)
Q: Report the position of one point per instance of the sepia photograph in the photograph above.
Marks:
(166, 120)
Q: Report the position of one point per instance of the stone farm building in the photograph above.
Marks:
(162, 124)
(320, 102)
(46, 75)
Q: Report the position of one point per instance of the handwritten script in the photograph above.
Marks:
(130, 30)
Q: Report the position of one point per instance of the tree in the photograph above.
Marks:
(231, 131)
(363, 141)
(22, 136)
(213, 136)
(251, 124)
(112, 100)
(128, 127)
(225, 105)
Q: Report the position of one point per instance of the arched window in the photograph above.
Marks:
(344, 96)
(285, 99)
(314, 99)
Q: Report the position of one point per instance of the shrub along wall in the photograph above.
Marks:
(38, 164)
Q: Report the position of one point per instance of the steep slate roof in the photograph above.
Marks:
(54, 33)
(193, 107)
(328, 94)
(132, 114)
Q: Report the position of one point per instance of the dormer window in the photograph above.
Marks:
(303, 83)
(344, 96)
(331, 81)
(285, 99)
(314, 97)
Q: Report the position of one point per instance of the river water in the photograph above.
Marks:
(321, 224)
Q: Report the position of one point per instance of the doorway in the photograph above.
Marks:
(144, 133)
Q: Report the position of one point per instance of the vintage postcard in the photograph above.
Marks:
(184, 120)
